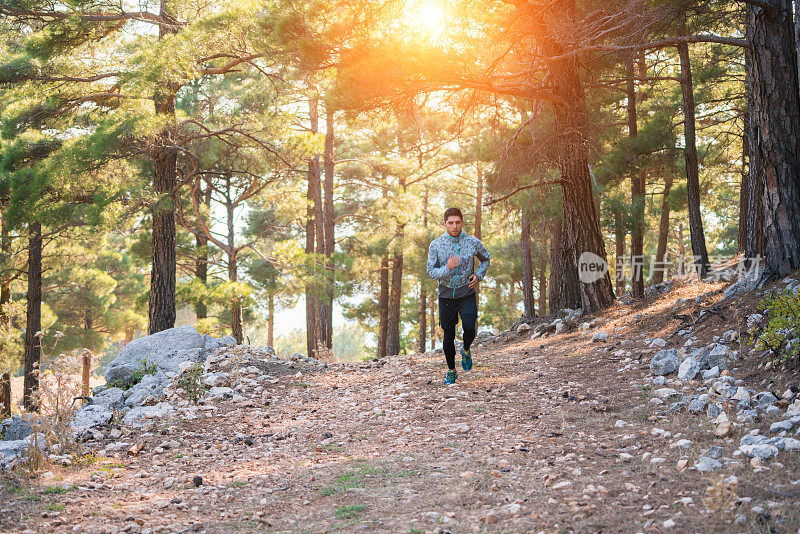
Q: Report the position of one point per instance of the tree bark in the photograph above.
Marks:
(581, 227)
(33, 322)
(528, 299)
(663, 233)
(201, 256)
(696, 231)
(744, 184)
(775, 108)
(542, 287)
(5, 278)
(161, 312)
(432, 306)
(754, 214)
(329, 233)
(393, 328)
(637, 194)
(383, 305)
(314, 235)
(237, 330)
(423, 294)
(620, 232)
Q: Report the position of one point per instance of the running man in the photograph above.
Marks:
(451, 262)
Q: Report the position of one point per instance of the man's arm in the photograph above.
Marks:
(483, 255)
(435, 271)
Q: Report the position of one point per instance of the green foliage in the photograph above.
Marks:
(351, 511)
(145, 368)
(781, 335)
(190, 382)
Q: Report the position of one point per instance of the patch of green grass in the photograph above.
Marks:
(238, 484)
(16, 489)
(647, 387)
(54, 507)
(330, 490)
(33, 497)
(57, 490)
(351, 511)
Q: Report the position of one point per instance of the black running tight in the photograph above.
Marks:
(449, 312)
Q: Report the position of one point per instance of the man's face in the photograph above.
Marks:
(453, 225)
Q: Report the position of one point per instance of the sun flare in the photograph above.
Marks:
(428, 18)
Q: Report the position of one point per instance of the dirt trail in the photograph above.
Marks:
(552, 435)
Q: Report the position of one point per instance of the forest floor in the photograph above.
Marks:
(548, 435)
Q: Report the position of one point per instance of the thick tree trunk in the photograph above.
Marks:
(528, 299)
(754, 214)
(432, 306)
(663, 233)
(314, 235)
(744, 185)
(393, 328)
(775, 108)
(696, 231)
(328, 232)
(637, 195)
(383, 305)
(33, 322)
(161, 313)
(581, 230)
(620, 232)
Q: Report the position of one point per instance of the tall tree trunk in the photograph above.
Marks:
(637, 195)
(692, 171)
(581, 227)
(744, 184)
(271, 320)
(383, 305)
(161, 312)
(423, 294)
(314, 235)
(393, 328)
(33, 322)
(201, 255)
(754, 219)
(5, 275)
(528, 299)
(556, 233)
(432, 306)
(328, 232)
(620, 232)
(775, 108)
(542, 287)
(237, 330)
(663, 233)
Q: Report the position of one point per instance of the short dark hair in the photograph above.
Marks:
(452, 212)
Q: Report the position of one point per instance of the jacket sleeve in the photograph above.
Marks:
(483, 255)
(435, 271)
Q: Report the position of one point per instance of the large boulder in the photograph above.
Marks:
(161, 352)
(90, 416)
(747, 283)
(665, 362)
(111, 398)
(16, 427)
(11, 451)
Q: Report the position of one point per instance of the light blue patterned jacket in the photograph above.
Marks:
(455, 283)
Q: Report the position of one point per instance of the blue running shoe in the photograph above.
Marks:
(450, 377)
(466, 360)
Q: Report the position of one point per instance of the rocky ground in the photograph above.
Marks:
(567, 432)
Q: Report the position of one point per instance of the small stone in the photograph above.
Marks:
(705, 464)
(741, 395)
(723, 429)
(665, 393)
(659, 380)
(561, 485)
(669, 523)
(708, 374)
(600, 336)
(760, 451)
(197, 481)
(664, 362)
(688, 369)
(625, 457)
(682, 463)
(715, 451)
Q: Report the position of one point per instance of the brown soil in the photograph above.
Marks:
(525, 442)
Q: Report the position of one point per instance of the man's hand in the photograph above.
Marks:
(473, 281)
(453, 262)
